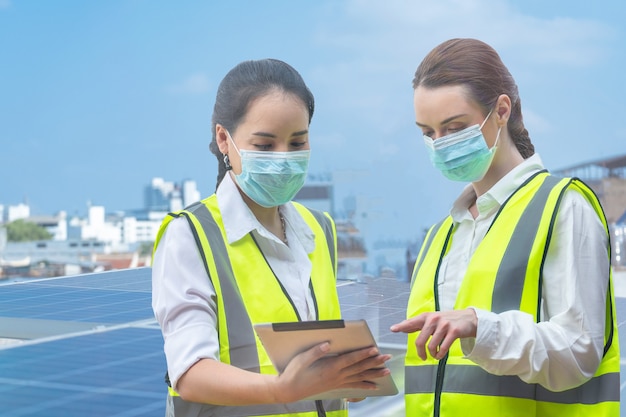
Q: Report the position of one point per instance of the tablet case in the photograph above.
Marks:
(283, 341)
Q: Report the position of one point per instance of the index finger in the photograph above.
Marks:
(408, 326)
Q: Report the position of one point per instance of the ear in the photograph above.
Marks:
(503, 109)
(221, 137)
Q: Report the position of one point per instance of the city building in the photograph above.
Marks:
(102, 240)
(12, 213)
(166, 196)
(317, 193)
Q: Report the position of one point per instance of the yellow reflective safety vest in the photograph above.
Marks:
(248, 292)
(509, 261)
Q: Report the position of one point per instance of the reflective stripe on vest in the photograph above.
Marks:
(327, 227)
(507, 292)
(509, 283)
(299, 409)
(420, 380)
(242, 347)
(243, 334)
(456, 384)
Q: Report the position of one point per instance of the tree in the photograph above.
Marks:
(23, 231)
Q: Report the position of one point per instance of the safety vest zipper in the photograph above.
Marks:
(441, 367)
(320, 408)
(441, 370)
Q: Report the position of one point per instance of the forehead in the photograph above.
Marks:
(435, 104)
(277, 109)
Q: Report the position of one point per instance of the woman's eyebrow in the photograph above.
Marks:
(271, 135)
(448, 120)
(300, 133)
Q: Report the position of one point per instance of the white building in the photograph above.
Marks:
(142, 230)
(69, 251)
(94, 227)
(56, 225)
(190, 193)
(20, 211)
(125, 230)
(3, 238)
(163, 195)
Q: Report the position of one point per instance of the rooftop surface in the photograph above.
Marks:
(90, 346)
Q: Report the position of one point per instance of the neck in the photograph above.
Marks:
(506, 158)
(269, 217)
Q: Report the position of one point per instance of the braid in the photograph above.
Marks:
(518, 132)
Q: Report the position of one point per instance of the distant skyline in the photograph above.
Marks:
(99, 97)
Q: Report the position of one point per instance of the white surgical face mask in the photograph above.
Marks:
(271, 178)
(463, 155)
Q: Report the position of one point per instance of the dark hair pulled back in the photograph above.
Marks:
(476, 65)
(246, 82)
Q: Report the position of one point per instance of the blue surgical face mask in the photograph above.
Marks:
(463, 155)
(271, 178)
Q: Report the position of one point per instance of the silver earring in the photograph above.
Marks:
(227, 163)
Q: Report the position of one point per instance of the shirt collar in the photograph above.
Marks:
(497, 195)
(239, 220)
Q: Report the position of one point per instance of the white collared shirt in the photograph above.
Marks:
(183, 297)
(565, 348)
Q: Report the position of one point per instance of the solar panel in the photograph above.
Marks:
(93, 348)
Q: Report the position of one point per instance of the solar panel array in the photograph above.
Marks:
(91, 346)
(94, 348)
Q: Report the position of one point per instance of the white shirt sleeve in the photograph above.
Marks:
(565, 348)
(183, 300)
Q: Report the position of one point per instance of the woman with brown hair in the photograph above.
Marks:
(511, 309)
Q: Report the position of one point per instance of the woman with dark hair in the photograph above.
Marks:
(248, 255)
(511, 311)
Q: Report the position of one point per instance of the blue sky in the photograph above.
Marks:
(98, 97)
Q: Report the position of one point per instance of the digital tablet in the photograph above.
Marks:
(283, 341)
